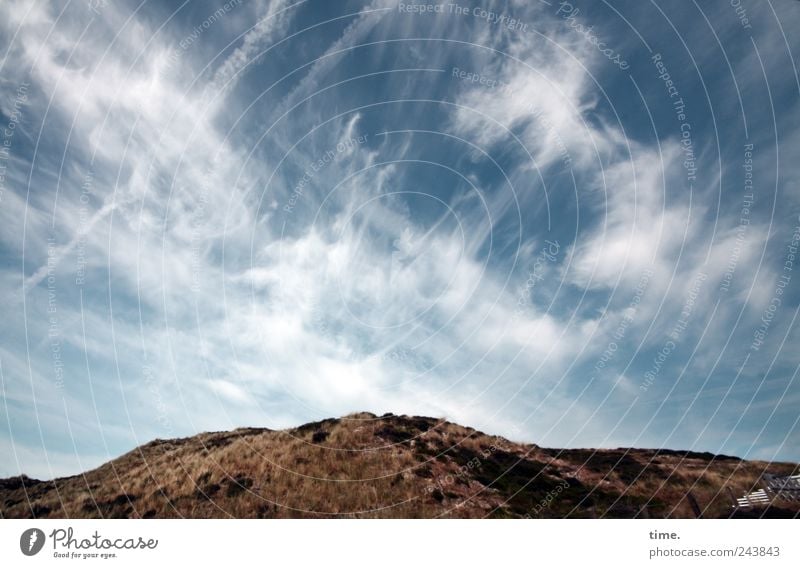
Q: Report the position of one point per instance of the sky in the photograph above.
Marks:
(570, 224)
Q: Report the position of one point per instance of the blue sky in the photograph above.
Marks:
(570, 224)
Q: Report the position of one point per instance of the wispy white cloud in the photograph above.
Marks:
(207, 304)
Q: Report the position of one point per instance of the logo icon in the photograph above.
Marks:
(31, 541)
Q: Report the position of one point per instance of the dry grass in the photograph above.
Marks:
(393, 466)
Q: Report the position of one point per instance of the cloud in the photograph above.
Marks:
(198, 284)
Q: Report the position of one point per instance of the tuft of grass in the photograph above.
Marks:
(366, 466)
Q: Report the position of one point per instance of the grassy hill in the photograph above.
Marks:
(391, 466)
